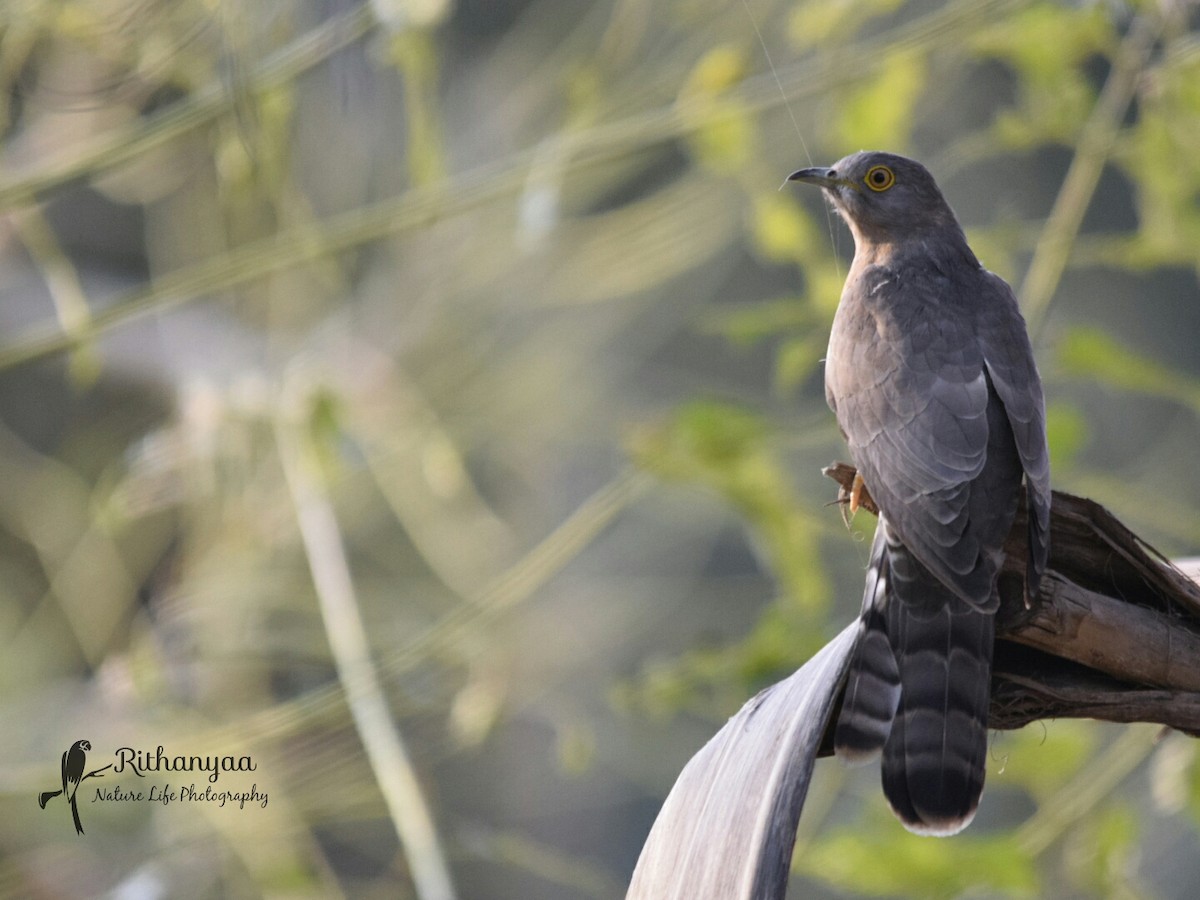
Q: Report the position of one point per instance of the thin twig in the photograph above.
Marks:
(450, 197)
(520, 581)
(1095, 143)
(121, 145)
(270, 254)
(71, 309)
(348, 644)
(502, 594)
(1092, 784)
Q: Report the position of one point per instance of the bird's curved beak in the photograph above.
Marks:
(819, 175)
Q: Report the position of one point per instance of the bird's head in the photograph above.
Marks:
(886, 199)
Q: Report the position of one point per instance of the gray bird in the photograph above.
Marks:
(931, 375)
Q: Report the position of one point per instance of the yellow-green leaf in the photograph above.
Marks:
(880, 114)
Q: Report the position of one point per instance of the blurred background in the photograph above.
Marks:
(424, 398)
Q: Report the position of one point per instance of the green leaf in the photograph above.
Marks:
(726, 449)
(1047, 45)
(1158, 156)
(724, 134)
(1046, 40)
(705, 441)
(719, 69)
(880, 114)
(1067, 432)
(824, 288)
(414, 54)
(817, 23)
(796, 360)
(325, 429)
(725, 138)
(782, 230)
(749, 323)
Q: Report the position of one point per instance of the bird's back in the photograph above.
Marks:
(931, 437)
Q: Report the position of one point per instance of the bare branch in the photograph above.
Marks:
(1113, 634)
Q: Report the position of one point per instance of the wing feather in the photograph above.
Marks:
(915, 381)
(1009, 358)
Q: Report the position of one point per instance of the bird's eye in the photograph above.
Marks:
(880, 178)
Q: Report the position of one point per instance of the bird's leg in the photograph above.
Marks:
(853, 494)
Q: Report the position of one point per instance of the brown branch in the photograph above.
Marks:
(1113, 634)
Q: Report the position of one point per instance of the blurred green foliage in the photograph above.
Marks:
(918, 866)
(726, 449)
(1087, 353)
(430, 274)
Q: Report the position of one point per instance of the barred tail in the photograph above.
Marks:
(935, 755)
(873, 684)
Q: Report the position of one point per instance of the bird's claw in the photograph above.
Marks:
(851, 499)
(853, 493)
(856, 491)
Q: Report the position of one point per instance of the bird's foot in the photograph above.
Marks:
(853, 494)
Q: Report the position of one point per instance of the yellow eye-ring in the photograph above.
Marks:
(879, 178)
